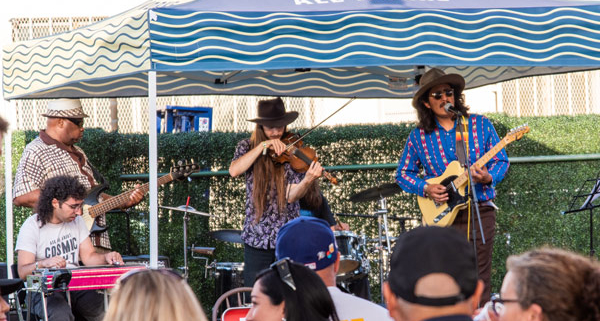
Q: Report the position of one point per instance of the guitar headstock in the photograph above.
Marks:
(517, 133)
(182, 170)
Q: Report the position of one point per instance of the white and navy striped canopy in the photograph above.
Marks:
(334, 48)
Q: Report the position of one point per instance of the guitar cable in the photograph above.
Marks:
(466, 128)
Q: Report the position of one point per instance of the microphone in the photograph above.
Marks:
(450, 108)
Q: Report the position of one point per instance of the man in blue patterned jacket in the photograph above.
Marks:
(433, 145)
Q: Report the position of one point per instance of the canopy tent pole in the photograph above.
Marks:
(152, 159)
(10, 248)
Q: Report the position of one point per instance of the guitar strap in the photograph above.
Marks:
(99, 177)
(460, 152)
(460, 155)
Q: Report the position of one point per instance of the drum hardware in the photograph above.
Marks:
(186, 209)
(228, 275)
(228, 235)
(204, 251)
(379, 193)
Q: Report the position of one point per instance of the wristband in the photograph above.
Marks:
(36, 265)
(264, 148)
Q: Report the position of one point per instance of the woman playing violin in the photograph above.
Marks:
(272, 190)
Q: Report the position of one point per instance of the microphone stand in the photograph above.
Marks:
(472, 191)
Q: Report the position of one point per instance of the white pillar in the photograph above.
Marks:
(152, 164)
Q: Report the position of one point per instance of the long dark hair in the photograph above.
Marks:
(311, 299)
(61, 188)
(266, 172)
(426, 117)
(313, 198)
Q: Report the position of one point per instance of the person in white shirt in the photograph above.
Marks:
(310, 241)
(57, 238)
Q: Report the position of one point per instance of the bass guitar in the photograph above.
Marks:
(455, 179)
(92, 208)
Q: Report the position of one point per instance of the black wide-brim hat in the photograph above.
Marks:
(8, 286)
(435, 77)
(272, 113)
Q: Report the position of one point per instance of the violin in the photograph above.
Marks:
(298, 155)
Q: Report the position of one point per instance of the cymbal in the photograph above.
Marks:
(233, 236)
(183, 208)
(375, 193)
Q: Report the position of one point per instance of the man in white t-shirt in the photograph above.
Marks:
(310, 241)
(56, 237)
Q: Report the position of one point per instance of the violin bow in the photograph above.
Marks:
(319, 124)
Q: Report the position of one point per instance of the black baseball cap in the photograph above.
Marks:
(431, 249)
(8, 286)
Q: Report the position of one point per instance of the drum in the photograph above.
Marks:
(228, 275)
(350, 247)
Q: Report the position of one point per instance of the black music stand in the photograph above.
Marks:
(589, 203)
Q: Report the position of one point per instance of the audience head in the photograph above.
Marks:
(153, 295)
(551, 285)
(292, 292)
(432, 274)
(8, 286)
(309, 241)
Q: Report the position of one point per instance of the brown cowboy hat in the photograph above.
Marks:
(272, 113)
(435, 77)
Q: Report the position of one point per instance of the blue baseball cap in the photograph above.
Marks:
(307, 240)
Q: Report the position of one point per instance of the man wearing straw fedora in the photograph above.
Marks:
(437, 141)
(54, 153)
(272, 190)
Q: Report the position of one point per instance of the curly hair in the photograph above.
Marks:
(426, 117)
(565, 285)
(60, 188)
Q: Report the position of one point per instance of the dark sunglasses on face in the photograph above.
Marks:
(438, 94)
(77, 121)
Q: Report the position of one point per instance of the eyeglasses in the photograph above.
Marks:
(498, 303)
(77, 121)
(167, 272)
(74, 206)
(282, 267)
(438, 94)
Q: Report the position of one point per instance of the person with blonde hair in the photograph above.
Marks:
(153, 295)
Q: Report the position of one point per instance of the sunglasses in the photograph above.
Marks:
(282, 267)
(438, 94)
(498, 303)
(77, 121)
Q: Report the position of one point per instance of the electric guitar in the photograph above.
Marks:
(455, 179)
(92, 208)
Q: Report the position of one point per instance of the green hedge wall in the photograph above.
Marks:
(530, 198)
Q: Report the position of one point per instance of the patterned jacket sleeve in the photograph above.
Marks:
(409, 167)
